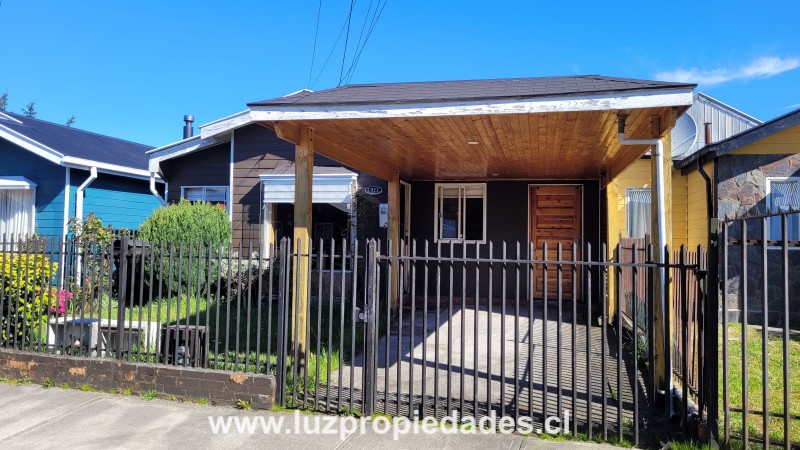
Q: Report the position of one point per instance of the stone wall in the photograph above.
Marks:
(108, 374)
(741, 189)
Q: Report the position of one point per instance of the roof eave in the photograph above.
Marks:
(674, 97)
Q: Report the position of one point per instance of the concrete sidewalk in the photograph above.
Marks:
(35, 417)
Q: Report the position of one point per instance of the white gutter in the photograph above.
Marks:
(154, 191)
(658, 182)
(79, 208)
(79, 192)
(657, 159)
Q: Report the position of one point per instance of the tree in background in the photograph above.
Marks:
(72, 119)
(4, 101)
(29, 110)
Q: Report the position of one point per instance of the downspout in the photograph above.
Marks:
(709, 190)
(154, 191)
(658, 187)
(79, 192)
(658, 183)
(79, 211)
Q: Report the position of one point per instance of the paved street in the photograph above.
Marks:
(35, 417)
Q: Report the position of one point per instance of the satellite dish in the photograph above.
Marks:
(684, 137)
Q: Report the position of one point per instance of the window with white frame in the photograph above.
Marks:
(17, 206)
(460, 212)
(637, 212)
(216, 195)
(783, 194)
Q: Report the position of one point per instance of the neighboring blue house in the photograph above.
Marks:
(50, 173)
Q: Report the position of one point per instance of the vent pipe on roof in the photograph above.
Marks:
(188, 131)
(707, 126)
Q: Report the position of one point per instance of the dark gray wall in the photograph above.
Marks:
(506, 221)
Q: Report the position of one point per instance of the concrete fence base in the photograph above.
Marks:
(108, 374)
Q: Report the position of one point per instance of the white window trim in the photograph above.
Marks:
(31, 187)
(436, 221)
(768, 199)
(227, 194)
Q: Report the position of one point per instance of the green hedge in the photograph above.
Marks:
(185, 224)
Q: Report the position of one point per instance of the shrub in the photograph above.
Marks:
(185, 224)
(242, 274)
(92, 240)
(26, 296)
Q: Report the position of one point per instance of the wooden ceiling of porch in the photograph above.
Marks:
(569, 145)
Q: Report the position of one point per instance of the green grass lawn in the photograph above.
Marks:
(238, 338)
(755, 383)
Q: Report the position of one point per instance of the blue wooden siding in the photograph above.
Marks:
(49, 179)
(120, 202)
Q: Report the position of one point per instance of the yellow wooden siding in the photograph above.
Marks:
(680, 199)
(783, 142)
(635, 176)
(697, 209)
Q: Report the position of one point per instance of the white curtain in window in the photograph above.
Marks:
(637, 218)
(16, 211)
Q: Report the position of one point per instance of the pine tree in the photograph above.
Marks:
(4, 101)
(72, 119)
(30, 110)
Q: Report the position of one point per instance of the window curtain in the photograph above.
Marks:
(16, 212)
(637, 219)
(785, 195)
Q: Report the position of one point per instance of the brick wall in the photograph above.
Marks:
(107, 374)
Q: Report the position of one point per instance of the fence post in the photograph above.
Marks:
(122, 294)
(371, 312)
(280, 361)
(711, 334)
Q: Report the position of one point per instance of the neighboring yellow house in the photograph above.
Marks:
(628, 195)
(688, 197)
(752, 172)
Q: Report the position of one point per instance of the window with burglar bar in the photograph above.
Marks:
(216, 195)
(783, 194)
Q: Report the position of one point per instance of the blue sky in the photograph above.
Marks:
(133, 69)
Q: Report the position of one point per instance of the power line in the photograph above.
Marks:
(329, 54)
(313, 52)
(346, 39)
(357, 58)
(376, 16)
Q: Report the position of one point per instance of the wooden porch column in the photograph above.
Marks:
(393, 231)
(303, 182)
(662, 371)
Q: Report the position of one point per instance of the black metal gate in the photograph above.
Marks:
(468, 337)
(760, 330)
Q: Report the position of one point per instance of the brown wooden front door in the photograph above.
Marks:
(556, 217)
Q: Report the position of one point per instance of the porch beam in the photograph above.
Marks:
(393, 231)
(374, 166)
(661, 290)
(289, 131)
(304, 174)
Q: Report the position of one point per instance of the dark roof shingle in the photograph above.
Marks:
(469, 90)
(77, 143)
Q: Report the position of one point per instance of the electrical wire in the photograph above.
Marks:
(357, 58)
(344, 25)
(314, 51)
(346, 39)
